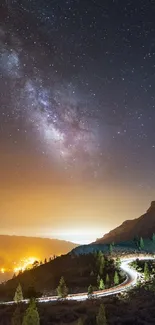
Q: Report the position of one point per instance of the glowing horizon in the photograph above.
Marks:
(76, 236)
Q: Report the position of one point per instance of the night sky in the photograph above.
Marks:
(77, 115)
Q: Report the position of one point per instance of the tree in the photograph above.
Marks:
(45, 261)
(101, 317)
(146, 271)
(35, 264)
(116, 278)
(31, 316)
(18, 297)
(99, 257)
(98, 280)
(118, 262)
(102, 263)
(80, 321)
(91, 273)
(141, 243)
(16, 318)
(110, 248)
(136, 241)
(62, 289)
(90, 290)
(153, 237)
(107, 281)
(101, 285)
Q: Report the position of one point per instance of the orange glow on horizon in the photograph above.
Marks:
(25, 264)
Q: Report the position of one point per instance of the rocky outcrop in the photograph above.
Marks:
(143, 226)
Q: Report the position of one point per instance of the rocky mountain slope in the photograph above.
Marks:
(143, 226)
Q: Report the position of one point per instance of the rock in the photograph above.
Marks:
(143, 226)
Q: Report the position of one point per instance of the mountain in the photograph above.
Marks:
(143, 226)
(15, 248)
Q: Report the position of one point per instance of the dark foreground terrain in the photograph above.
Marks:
(138, 308)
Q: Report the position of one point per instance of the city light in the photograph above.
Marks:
(25, 264)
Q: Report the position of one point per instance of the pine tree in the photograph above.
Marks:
(80, 321)
(98, 280)
(102, 263)
(18, 297)
(62, 289)
(116, 278)
(107, 281)
(98, 257)
(90, 290)
(45, 261)
(101, 286)
(146, 271)
(136, 241)
(31, 316)
(153, 237)
(36, 264)
(100, 254)
(141, 243)
(118, 262)
(101, 317)
(110, 248)
(16, 318)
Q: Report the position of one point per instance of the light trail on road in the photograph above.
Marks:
(130, 281)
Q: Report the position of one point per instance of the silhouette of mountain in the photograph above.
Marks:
(15, 248)
(143, 226)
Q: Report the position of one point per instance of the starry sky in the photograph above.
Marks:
(77, 115)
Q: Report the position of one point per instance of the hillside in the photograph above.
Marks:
(15, 248)
(78, 272)
(143, 226)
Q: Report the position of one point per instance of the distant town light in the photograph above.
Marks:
(25, 264)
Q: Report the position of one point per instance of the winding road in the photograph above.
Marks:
(131, 280)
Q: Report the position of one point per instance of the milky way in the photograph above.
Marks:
(66, 128)
(77, 85)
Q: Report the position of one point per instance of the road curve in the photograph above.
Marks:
(131, 280)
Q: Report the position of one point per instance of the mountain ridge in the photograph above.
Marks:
(143, 226)
(13, 248)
